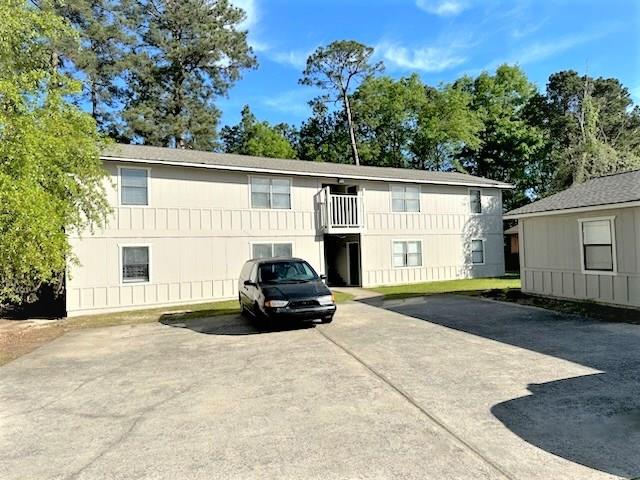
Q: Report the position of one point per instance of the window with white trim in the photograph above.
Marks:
(475, 201)
(477, 252)
(407, 253)
(134, 189)
(405, 198)
(270, 192)
(269, 250)
(597, 245)
(135, 264)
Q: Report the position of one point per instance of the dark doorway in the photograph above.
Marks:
(353, 259)
(342, 259)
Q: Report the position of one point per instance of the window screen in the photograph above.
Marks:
(597, 245)
(268, 250)
(405, 198)
(477, 251)
(135, 264)
(475, 201)
(270, 193)
(133, 186)
(407, 254)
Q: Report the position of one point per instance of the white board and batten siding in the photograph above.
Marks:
(552, 263)
(199, 227)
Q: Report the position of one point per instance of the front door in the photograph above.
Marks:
(353, 259)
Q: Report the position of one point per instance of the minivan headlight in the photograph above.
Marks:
(276, 303)
(325, 300)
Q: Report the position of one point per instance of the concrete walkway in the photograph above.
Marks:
(431, 388)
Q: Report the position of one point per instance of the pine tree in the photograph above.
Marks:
(191, 52)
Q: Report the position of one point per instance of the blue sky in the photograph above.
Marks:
(438, 39)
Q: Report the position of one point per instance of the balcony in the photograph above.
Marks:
(340, 213)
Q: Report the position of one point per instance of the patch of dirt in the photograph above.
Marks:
(18, 338)
(587, 309)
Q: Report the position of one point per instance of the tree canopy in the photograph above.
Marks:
(337, 68)
(51, 178)
(250, 137)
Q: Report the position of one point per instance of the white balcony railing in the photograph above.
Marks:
(340, 213)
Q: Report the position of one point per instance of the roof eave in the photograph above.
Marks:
(588, 208)
(500, 185)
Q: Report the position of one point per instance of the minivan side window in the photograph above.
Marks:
(254, 273)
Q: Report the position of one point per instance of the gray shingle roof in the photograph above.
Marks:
(230, 161)
(610, 189)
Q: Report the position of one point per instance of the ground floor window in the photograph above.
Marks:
(135, 264)
(598, 250)
(268, 250)
(407, 253)
(477, 252)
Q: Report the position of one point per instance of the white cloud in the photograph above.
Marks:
(250, 23)
(251, 11)
(295, 58)
(538, 51)
(292, 102)
(443, 8)
(426, 59)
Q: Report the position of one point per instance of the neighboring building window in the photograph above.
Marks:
(135, 264)
(597, 245)
(475, 201)
(407, 254)
(134, 186)
(268, 250)
(477, 251)
(270, 192)
(405, 198)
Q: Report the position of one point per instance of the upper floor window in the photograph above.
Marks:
(598, 245)
(475, 201)
(405, 198)
(477, 252)
(270, 192)
(135, 264)
(134, 187)
(268, 250)
(407, 253)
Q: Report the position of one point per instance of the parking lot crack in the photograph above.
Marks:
(440, 423)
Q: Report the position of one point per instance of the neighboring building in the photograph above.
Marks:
(584, 242)
(184, 222)
(512, 249)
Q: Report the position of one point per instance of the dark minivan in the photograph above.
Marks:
(284, 288)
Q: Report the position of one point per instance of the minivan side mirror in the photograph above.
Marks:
(323, 277)
(249, 283)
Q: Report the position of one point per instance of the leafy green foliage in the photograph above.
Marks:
(509, 145)
(250, 137)
(592, 129)
(51, 177)
(190, 53)
(406, 123)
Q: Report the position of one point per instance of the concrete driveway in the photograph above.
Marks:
(443, 387)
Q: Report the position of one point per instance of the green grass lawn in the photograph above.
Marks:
(448, 286)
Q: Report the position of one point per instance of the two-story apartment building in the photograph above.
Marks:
(185, 221)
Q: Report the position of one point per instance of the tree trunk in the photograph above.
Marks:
(352, 134)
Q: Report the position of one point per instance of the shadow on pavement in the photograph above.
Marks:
(228, 325)
(593, 420)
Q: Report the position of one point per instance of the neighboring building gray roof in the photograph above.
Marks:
(512, 230)
(611, 189)
(228, 161)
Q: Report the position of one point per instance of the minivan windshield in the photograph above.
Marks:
(294, 271)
